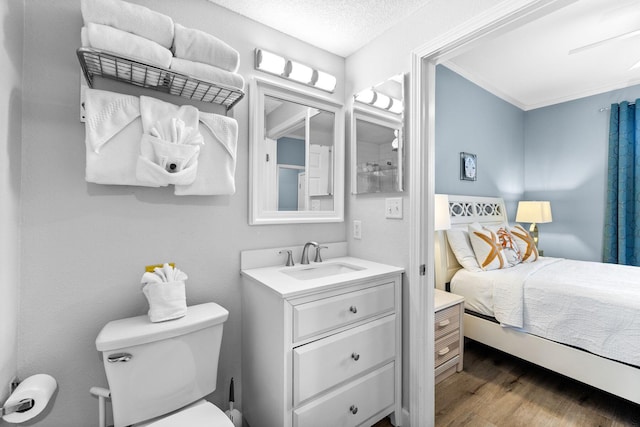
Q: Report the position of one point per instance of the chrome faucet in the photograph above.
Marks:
(305, 252)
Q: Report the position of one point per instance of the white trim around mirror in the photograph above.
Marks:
(257, 213)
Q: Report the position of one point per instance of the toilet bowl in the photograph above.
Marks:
(159, 373)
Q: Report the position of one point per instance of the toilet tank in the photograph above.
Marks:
(156, 368)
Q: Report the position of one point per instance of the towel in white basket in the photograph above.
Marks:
(165, 292)
(217, 159)
(207, 73)
(130, 17)
(126, 44)
(199, 46)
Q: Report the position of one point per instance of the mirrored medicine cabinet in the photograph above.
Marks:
(377, 139)
(297, 156)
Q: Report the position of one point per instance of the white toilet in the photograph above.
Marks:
(159, 373)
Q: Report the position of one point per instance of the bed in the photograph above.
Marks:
(577, 318)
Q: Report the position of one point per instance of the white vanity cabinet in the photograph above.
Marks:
(325, 355)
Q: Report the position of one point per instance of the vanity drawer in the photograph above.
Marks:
(447, 348)
(329, 313)
(325, 363)
(447, 321)
(352, 404)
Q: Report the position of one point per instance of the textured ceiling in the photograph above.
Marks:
(338, 26)
(530, 67)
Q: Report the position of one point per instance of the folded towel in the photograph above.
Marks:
(113, 128)
(162, 163)
(153, 110)
(207, 73)
(217, 159)
(198, 46)
(107, 113)
(173, 130)
(128, 45)
(130, 17)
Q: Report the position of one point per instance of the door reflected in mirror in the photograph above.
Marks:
(299, 156)
(297, 153)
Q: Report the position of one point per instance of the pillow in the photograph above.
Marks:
(526, 245)
(508, 242)
(486, 245)
(461, 247)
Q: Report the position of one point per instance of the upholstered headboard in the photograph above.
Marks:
(464, 210)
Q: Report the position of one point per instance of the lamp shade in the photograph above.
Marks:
(534, 212)
(442, 218)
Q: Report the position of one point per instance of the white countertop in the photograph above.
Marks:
(287, 286)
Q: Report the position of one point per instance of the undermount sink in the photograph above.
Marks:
(317, 271)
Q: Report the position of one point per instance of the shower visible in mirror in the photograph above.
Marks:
(377, 145)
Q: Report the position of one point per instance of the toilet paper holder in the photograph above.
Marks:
(22, 406)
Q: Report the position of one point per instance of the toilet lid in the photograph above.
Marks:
(199, 414)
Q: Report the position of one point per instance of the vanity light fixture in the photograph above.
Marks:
(271, 63)
(379, 100)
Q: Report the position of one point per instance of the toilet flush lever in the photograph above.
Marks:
(119, 357)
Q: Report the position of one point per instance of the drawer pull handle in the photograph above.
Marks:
(443, 351)
(355, 356)
(444, 323)
(353, 309)
(353, 409)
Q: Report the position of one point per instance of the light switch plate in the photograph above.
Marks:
(393, 207)
(357, 229)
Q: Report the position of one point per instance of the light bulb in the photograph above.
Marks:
(366, 96)
(300, 73)
(270, 62)
(326, 81)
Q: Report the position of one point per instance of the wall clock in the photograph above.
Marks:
(468, 167)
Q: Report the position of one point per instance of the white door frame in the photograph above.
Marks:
(501, 18)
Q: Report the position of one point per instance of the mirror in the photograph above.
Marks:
(377, 143)
(297, 156)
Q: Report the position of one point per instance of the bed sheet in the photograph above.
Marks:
(593, 306)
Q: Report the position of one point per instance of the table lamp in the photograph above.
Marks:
(534, 212)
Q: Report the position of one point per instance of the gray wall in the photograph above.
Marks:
(12, 12)
(84, 246)
(470, 119)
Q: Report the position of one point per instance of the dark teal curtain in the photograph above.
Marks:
(622, 226)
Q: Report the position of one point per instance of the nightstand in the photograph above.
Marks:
(449, 334)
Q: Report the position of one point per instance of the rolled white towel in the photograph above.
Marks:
(127, 44)
(207, 72)
(196, 45)
(130, 17)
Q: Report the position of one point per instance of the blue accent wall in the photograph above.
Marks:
(470, 119)
(291, 151)
(556, 153)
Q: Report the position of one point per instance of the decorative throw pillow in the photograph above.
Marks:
(461, 247)
(487, 247)
(526, 245)
(508, 242)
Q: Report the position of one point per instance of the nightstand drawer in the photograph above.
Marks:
(330, 313)
(447, 348)
(325, 363)
(447, 321)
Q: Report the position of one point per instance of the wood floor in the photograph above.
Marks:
(496, 389)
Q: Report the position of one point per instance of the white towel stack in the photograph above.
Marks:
(165, 291)
(139, 33)
(129, 30)
(206, 57)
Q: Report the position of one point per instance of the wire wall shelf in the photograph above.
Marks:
(95, 62)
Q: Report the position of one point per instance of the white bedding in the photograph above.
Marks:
(589, 305)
